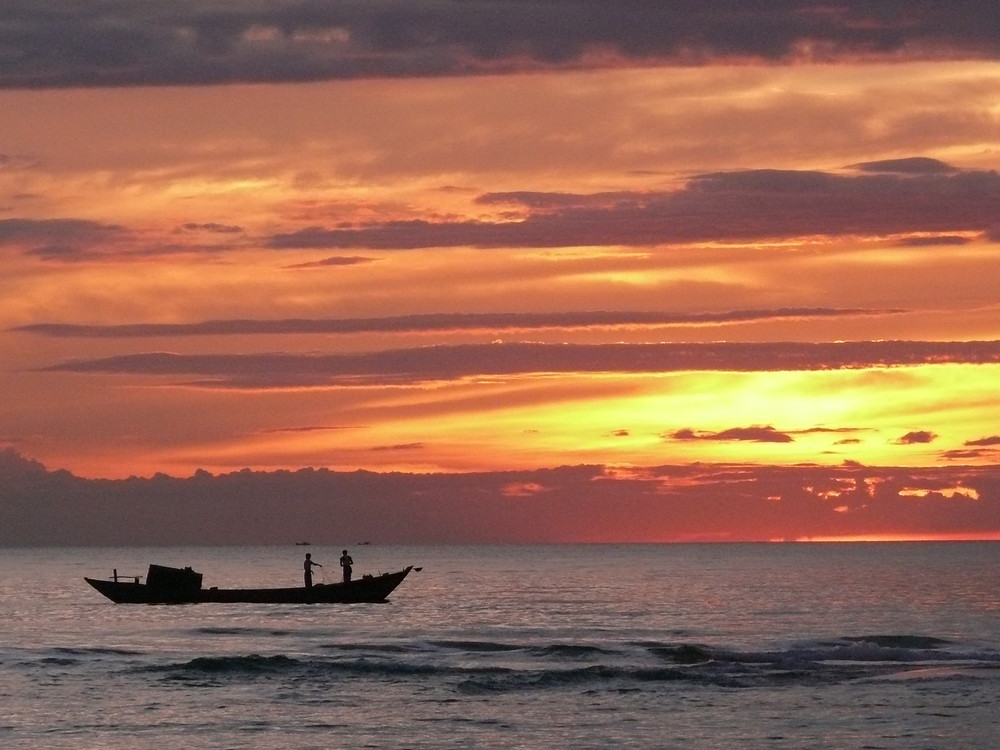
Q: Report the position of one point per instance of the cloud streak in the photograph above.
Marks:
(439, 322)
(451, 362)
(123, 43)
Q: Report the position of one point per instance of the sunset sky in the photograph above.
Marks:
(444, 237)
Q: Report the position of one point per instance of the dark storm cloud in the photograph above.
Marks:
(437, 322)
(735, 206)
(402, 366)
(51, 43)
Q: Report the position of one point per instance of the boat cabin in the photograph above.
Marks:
(178, 579)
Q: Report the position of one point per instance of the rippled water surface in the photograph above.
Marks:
(695, 646)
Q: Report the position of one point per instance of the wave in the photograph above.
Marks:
(877, 649)
(478, 646)
(256, 664)
(901, 641)
(232, 630)
(489, 667)
(243, 666)
(94, 651)
(63, 656)
(379, 648)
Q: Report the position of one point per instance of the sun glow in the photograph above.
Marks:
(631, 419)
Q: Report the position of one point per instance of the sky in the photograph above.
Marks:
(593, 271)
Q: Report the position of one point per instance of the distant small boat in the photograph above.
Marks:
(166, 585)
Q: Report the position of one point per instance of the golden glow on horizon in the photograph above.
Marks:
(959, 536)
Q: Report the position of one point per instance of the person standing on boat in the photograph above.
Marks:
(307, 567)
(346, 562)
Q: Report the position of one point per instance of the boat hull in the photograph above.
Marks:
(369, 589)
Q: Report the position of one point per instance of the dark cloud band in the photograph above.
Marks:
(451, 362)
(52, 43)
(900, 197)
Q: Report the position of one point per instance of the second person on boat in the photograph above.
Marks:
(346, 562)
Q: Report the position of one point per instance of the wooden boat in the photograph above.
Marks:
(165, 585)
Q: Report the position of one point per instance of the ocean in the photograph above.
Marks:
(861, 645)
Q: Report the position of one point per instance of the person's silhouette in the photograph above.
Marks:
(346, 562)
(307, 567)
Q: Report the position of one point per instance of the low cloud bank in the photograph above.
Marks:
(699, 502)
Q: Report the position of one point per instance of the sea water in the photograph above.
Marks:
(893, 645)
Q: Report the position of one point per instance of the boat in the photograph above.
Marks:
(167, 585)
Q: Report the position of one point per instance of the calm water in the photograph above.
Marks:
(693, 646)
